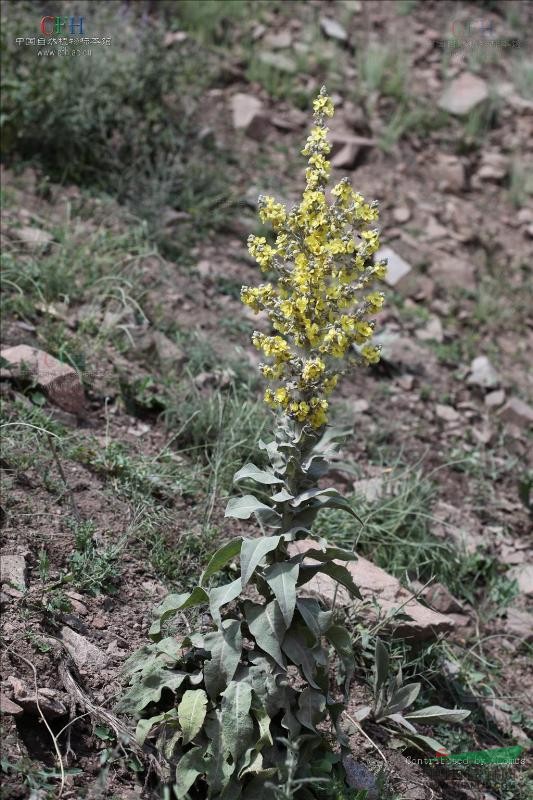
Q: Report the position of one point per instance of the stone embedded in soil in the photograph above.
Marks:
(397, 268)
(280, 61)
(402, 352)
(482, 374)
(523, 575)
(370, 488)
(401, 214)
(7, 706)
(517, 412)
(359, 777)
(431, 332)
(49, 704)
(346, 156)
(60, 382)
(520, 623)
(494, 167)
(333, 29)
(447, 413)
(13, 570)
(452, 272)
(441, 599)
(386, 591)
(450, 173)
(249, 116)
(33, 238)
(464, 94)
(495, 399)
(279, 40)
(84, 653)
(457, 524)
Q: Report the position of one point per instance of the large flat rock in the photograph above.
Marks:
(417, 622)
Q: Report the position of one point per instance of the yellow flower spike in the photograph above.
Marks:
(323, 257)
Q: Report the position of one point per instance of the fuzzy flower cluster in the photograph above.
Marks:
(323, 293)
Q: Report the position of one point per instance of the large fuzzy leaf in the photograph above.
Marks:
(400, 720)
(423, 743)
(172, 604)
(267, 626)
(310, 494)
(437, 714)
(342, 575)
(403, 698)
(222, 595)
(281, 578)
(342, 642)
(311, 708)
(244, 507)
(223, 556)
(149, 688)
(225, 646)
(237, 724)
(219, 770)
(255, 474)
(252, 553)
(144, 726)
(296, 646)
(190, 766)
(317, 620)
(191, 713)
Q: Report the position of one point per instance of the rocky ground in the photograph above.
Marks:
(130, 395)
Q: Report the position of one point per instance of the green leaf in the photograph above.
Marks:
(381, 665)
(403, 698)
(296, 647)
(311, 708)
(342, 642)
(309, 494)
(399, 720)
(255, 474)
(190, 766)
(328, 554)
(225, 646)
(423, 743)
(191, 713)
(223, 556)
(221, 595)
(437, 713)
(282, 579)
(342, 575)
(268, 627)
(172, 604)
(335, 502)
(282, 496)
(252, 553)
(317, 620)
(237, 724)
(144, 726)
(148, 689)
(244, 507)
(219, 771)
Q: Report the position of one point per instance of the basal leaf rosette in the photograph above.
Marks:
(323, 296)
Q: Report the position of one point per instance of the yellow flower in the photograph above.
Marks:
(317, 305)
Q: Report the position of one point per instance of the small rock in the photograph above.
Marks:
(494, 167)
(370, 488)
(359, 777)
(59, 381)
(84, 653)
(482, 373)
(279, 40)
(333, 29)
(495, 399)
(447, 413)
(167, 350)
(7, 706)
(525, 216)
(346, 156)
(523, 575)
(517, 412)
(401, 352)
(248, 116)
(401, 214)
(464, 94)
(34, 238)
(520, 623)
(441, 599)
(280, 61)
(385, 591)
(13, 570)
(450, 272)
(99, 623)
(431, 332)
(174, 37)
(50, 706)
(360, 406)
(397, 268)
(450, 173)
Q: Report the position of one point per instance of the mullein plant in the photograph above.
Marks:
(269, 675)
